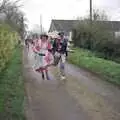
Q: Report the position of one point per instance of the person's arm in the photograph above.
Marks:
(54, 46)
(34, 49)
(67, 48)
(64, 46)
(49, 47)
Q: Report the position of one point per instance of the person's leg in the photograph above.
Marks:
(47, 74)
(27, 46)
(42, 72)
(62, 65)
(57, 59)
(43, 76)
(66, 55)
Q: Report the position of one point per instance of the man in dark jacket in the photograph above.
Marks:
(60, 52)
(60, 44)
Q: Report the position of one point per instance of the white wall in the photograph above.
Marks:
(70, 36)
(117, 34)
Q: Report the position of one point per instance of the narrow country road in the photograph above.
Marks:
(83, 97)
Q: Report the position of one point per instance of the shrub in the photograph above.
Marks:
(96, 37)
(8, 40)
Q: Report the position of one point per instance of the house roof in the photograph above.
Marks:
(64, 25)
(111, 25)
(67, 25)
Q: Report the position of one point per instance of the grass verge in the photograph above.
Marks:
(86, 59)
(12, 89)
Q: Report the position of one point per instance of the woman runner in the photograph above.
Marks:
(44, 57)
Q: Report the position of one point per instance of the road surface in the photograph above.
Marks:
(83, 97)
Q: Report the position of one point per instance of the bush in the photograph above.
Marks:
(97, 37)
(8, 40)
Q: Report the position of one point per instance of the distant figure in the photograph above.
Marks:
(51, 40)
(27, 43)
(31, 54)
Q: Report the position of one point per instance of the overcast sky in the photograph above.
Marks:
(66, 9)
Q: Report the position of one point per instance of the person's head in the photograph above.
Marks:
(61, 34)
(44, 37)
(50, 37)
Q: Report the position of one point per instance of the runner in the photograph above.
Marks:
(44, 58)
(31, 54)
(27, 43)
(60, 50)
(51, 40)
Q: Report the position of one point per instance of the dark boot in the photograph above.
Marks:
(43, 76)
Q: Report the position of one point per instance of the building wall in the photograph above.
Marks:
(117, 34)
(70, 36)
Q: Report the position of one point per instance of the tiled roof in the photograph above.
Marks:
(67, 25)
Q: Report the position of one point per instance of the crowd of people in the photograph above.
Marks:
(47, 52)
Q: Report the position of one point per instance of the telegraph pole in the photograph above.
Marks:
(91, 11)
(40, 23)
(91, 21)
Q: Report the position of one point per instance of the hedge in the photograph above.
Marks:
(8, 41)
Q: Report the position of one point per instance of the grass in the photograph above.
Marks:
(12, 89)
(86, 59)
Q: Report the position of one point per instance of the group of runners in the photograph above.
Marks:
(49, 51)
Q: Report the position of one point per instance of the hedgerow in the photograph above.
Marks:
(8, 41)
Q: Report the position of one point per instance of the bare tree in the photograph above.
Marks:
(14, 16)
(99, 15)
(5, 3)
